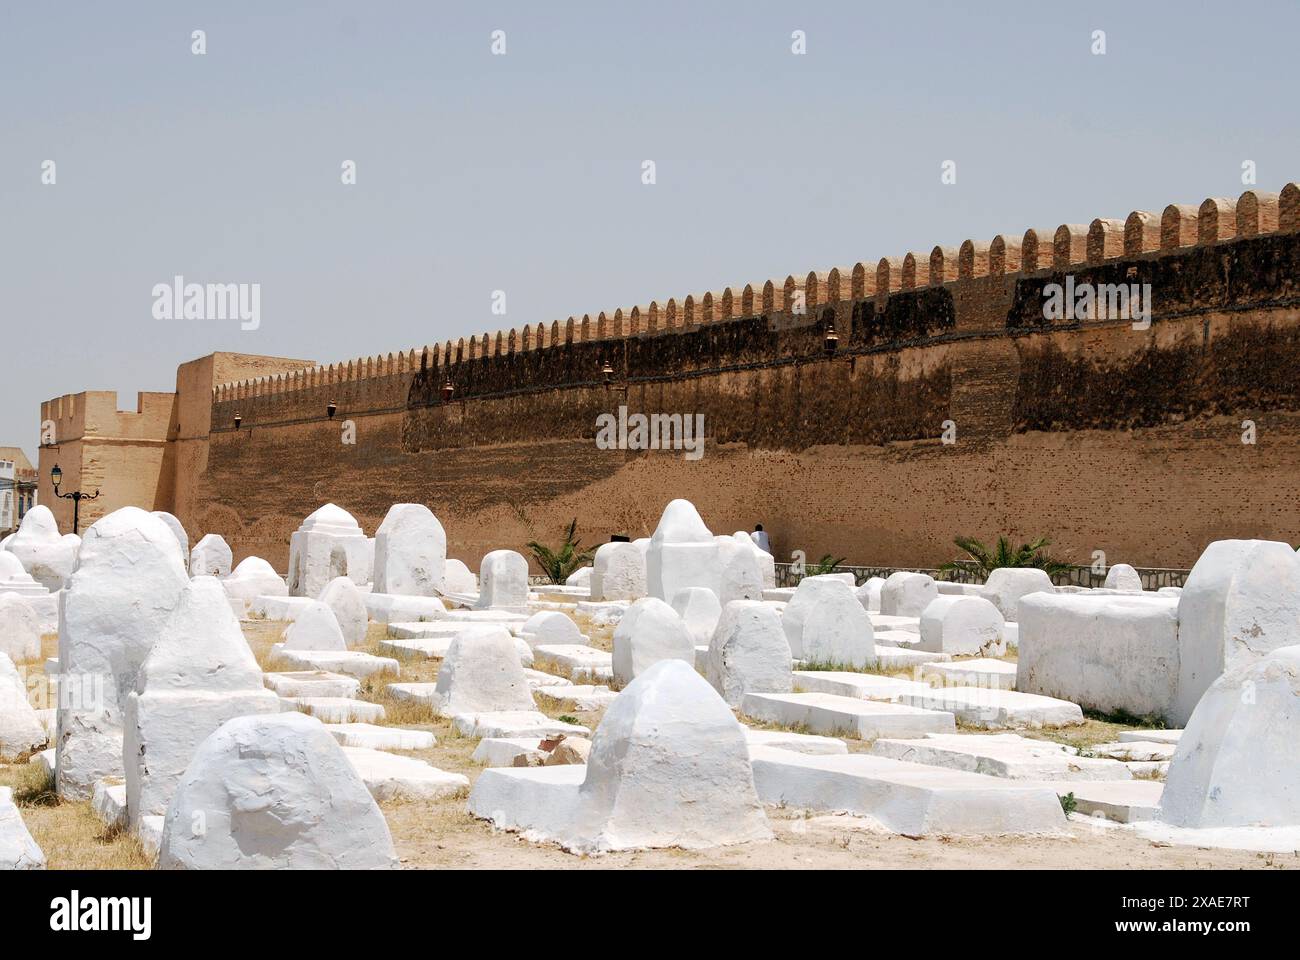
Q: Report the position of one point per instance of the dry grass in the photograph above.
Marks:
(1085, 736)
(261, 636)
(70, 833)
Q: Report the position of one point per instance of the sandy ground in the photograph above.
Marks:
(441, 834)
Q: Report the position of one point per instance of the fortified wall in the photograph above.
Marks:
(946, 403)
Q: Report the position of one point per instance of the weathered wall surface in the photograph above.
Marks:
(98, 446)
(1099, 435)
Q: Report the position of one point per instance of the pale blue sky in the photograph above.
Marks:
(478, 172)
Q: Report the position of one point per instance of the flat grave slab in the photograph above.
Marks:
(831, 715)
(575, 661)
(799, 742)
(998, 709)
(413, 692)
(901, 658)
(390, 777)
(1148, 751)
(582, 696)
(540, 678)
(536, 800)
(1150, 736)
(354, 663)
(380, 738)
(864, 686)
(895, 638)
(312, 683)
(443, 629)
(1006, 755)
(501, 751)
(486, 616)
(513, 723)
(1124, 801)
(888, 622)
(279, 608)
(907, 798)
(984, 672)
(337, 709)
(387, 607)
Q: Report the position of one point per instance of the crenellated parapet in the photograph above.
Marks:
(380, 382)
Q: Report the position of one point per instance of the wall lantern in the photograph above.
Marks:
(238, 420)
(607, 372)
(832, 341)
(447, 390)
(331, 409)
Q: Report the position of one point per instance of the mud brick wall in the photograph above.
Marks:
(1092, 432)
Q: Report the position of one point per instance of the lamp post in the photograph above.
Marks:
(56, 476)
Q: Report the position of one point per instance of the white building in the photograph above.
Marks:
(17, 488)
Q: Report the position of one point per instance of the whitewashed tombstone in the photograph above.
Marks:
(1121, 576)
(766, 562)
(905, 594)
(1237, 763)
(619, 572)
(329, 544)
(962, 626)
(482, 673)
(868, 594)
(316, 628)
(14, 578)
(211, 557)
(20, 629)
(682, 553)
(18, 851)
(198, 675)
(178, 530)
(127, 582)
(669, 766)
(826, 626)
(579, 578)
(1241, 601)
(1006, 585)
(20, 727)
(700, 611)
(458, 578)
(740, 576)
(17, 582)
(44, 554)
(348, 605)
(748, 652)
(550, 627)
(254, 578)
(273, 792)
(410, 552)
(503, 582)
(650, 631)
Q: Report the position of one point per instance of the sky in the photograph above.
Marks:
(479, 172)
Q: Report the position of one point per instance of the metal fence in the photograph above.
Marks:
(1078, 576)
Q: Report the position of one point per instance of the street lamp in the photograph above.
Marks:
(56, 476)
